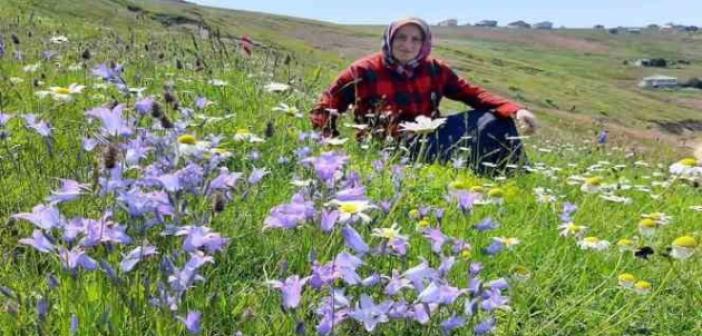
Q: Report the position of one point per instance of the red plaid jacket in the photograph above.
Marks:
(376, 92)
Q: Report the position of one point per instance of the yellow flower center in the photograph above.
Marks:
(643, 285)
(627, 277)
(220, 151)
(685, 241)
(466, 254)
(476, 189)
(648, 223)
(62, 90)
(414, 213)
(423, 224)
(243, 132)
(187, 139)
(350, 208)
(591, 240)
(496, 193)
(625, 243)
(594, 181)
(690, 162)
(572, 228)
(387, 233)
(521, 270)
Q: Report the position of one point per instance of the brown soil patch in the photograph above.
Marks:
(694, 103)
(528, 37)
(346, 45)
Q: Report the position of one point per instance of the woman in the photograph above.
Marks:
(402, 82)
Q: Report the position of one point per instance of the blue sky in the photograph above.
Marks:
(563, 12)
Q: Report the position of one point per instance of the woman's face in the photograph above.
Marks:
(407, 43)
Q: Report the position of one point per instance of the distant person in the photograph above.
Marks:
(402, 82)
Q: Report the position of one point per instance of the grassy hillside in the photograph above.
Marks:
(159, 200)
(567, 75)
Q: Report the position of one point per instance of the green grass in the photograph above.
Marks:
(570, 291)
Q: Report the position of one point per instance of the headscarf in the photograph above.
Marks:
(406, 70)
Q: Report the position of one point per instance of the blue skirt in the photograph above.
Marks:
(490, 144)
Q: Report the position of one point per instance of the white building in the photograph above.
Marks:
(658, 81)
(448, 23)
(543, 25)
(519, 25)
(486, 23)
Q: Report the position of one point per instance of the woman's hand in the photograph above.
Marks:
(526, 121)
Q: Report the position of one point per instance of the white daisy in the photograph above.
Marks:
(508, 242)
(683, 247)
(642, 287)
(422, 125)
(642, 188)
(593, 243)
(217, 82)
(64, 94)
(301, 183)
(244, 134)
(389, 233)
(31, 68)
(223, 153)
(60, 39)
(189, 145)
(359, 127)
(209, 119)
(575, 180)
(688, 167)
(592, 184)
(626, 280)
(276, 87)
(625, 245)
(349, 209)
(291, 110)
(572, 230)
(615, 198)
(647, 227)
(659, 217)
(138, 91)
(334, 141)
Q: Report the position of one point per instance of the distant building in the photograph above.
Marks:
(668, 27)
(448, 23)
(486, 23)
(651, 62)
(658, 81)
(543, 25)
(642, 62)
(633, 30)
(653, 26)
(519, 25)
(598, 27)
(672, 27)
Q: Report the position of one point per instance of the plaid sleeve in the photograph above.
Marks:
(457, 88)
(336, 99)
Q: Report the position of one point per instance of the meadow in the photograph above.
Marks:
(160, 182)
